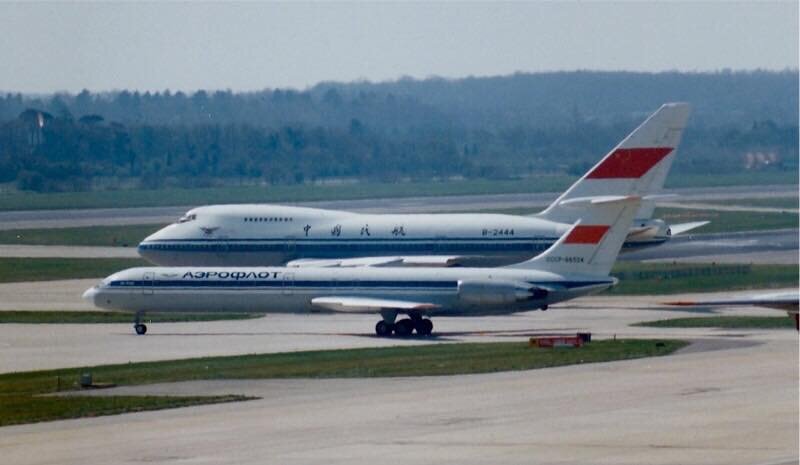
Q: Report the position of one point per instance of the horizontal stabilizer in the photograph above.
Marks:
(597, 200)
(686, 227)
(368, 304)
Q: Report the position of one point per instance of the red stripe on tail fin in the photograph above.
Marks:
(586, 234)
(629, 163)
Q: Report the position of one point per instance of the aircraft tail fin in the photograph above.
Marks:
(637, 166)
(592, 244)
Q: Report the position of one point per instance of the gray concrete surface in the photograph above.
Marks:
(63, 251)
(22, 346)
(466, 203)
(733, 404)
(45, 295)
(728, 247)
(727, 208)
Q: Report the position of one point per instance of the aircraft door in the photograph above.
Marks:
(288, 283)
(148, 278)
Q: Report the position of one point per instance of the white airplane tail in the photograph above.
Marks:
(592, 244)
(637, 166)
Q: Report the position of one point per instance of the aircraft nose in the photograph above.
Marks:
(146, 248)
(89, 294)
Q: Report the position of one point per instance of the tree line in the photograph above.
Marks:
(500, 127)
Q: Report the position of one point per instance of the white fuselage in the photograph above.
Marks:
(265, 235)
(456, 291)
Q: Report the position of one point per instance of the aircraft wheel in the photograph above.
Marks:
(383, 329)
(404, 327)
(424, 327)
(140, 328)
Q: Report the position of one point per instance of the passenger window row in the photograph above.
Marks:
(268, 219)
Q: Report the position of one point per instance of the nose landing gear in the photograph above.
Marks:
(138, 326)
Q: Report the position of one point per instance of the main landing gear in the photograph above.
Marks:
(405, 327)
(138, 326)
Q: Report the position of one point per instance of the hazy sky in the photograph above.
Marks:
(243, 46)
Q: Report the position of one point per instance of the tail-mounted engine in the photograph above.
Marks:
(495, 292)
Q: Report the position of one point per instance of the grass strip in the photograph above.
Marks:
(668, 278)
(13, 269)
(78, 317)
(29, 409)
(726, 322)
(278, 193)
(779, 202)
(17, 390)
(359, 190)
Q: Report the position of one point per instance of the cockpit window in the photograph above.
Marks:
(187, 218)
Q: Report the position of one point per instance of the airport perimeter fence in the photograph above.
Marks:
(688, 272)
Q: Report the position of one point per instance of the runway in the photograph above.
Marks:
(77, 345)
(730, 398)
(460, 203)
(760, 247)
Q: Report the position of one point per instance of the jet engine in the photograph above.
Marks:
(648, 230)
(495, 292)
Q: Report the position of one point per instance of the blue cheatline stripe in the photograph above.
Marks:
(317, 247)
(362, 239)
(277, 283)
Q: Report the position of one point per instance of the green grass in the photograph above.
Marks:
(667, 278)
(744, 178)
(50, 269)
(29, 409)
(78, 317)
(727, 322)
(255, 194)
(725, 221)
(109, 236)
(782, 202)
(20, 392)
(297, 193)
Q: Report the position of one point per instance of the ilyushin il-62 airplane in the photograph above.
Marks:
(262, 235)
(577, 264)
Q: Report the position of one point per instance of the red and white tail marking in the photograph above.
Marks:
(629, 163)
(637, 166)
(593, 247)
(589, 234)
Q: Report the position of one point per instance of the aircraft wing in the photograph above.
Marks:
(686, 227)
(368, 304)
(787, 301)
(398, 261)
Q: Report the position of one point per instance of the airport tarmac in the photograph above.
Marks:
(729, 398)
(77, 345)
(736, 247)
(740, 247)
(456, 203)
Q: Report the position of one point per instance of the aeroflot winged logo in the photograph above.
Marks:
(209, 231)
(235, 275)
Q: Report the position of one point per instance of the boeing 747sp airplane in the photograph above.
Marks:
(259, 235)
(576, 264)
